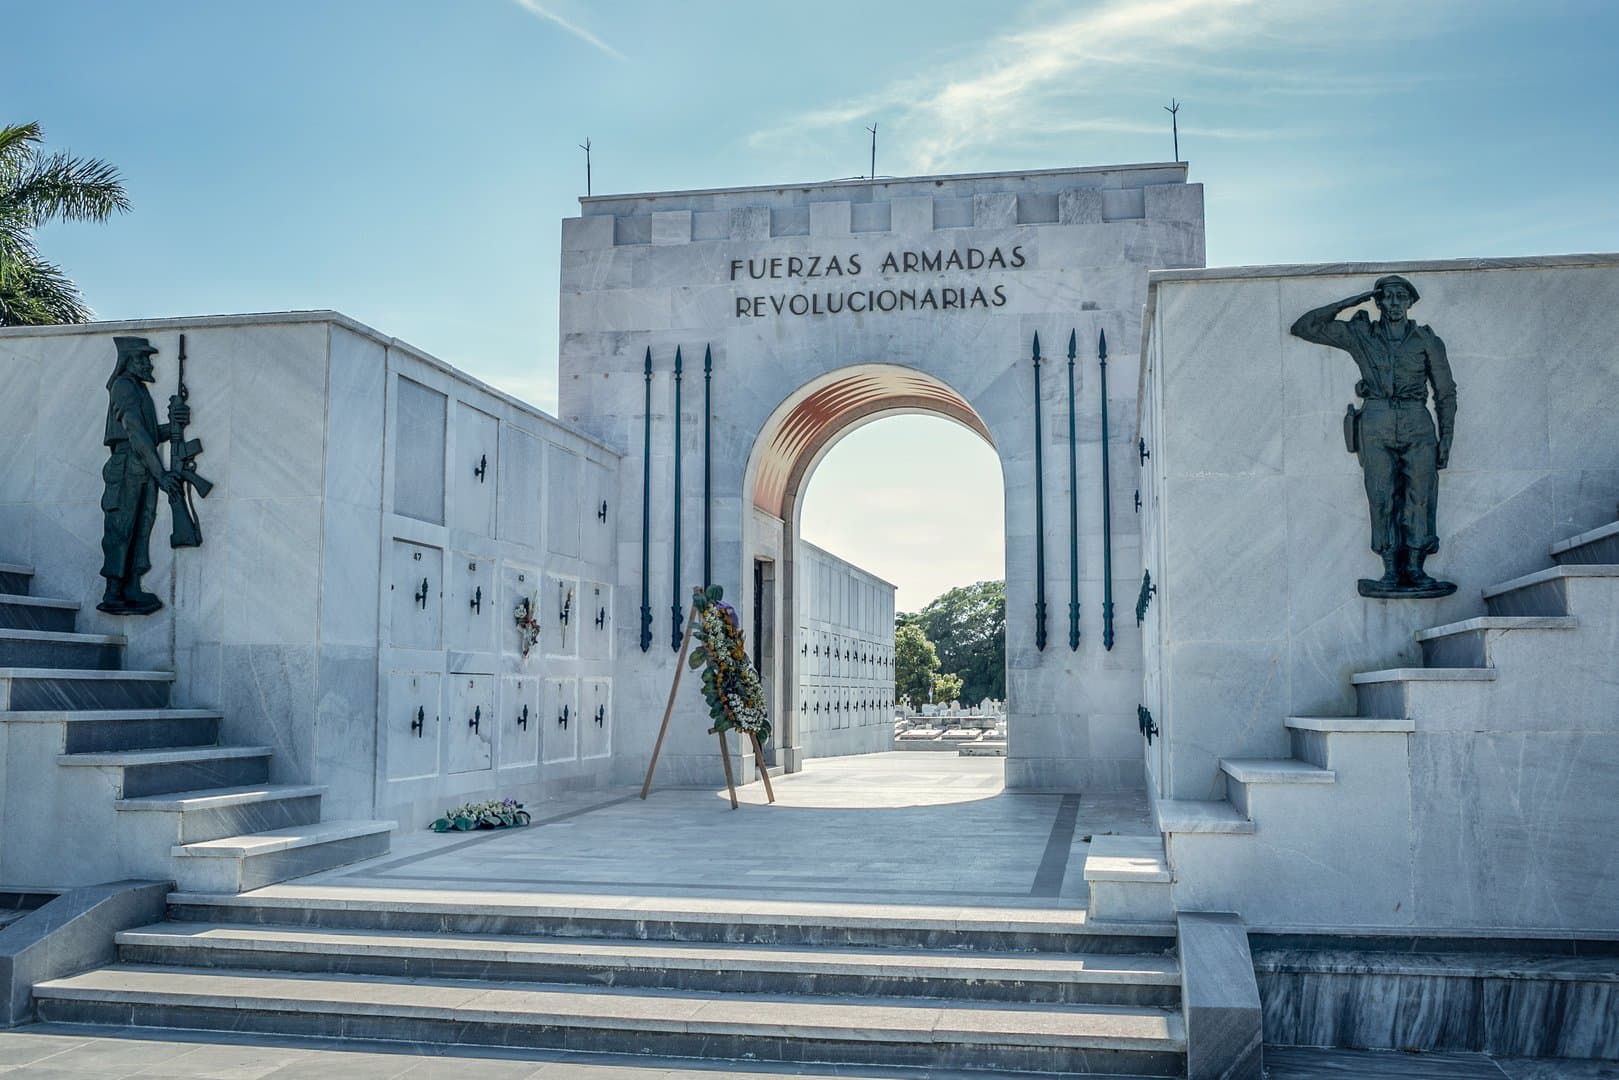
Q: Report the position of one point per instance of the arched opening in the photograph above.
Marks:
(813, 609)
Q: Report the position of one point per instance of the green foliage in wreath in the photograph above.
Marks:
(735, 696)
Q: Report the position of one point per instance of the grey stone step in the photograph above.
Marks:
(52, 689)
(221, 812)
(1466, 643)
(1599, 545)
(99, 730)
(1383, 693)
(673, 919)
(1200, 816)
(1543, 592)
(21, 612)
(1061, 978)
(1275, 771)
(59, 649)
(234, 864)
(185, 768)
(1351, 724)
(1243, 774)
(1094, 1039)
(15, 578)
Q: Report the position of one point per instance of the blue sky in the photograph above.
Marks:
(407, 162)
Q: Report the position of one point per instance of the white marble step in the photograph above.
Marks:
(1275, 771)
(62, 637)
(167, 756)
(1499, 622)
(88, 674)
(201, 938)
(299, 900)
(1127, 858)
(471, 1005)
(1553, 573)
(23, 600)
(278, 840)
(1200, 816)
(1398, 675)
(99, 716)
(215, 798)
(1601, 532)
(1348, 724)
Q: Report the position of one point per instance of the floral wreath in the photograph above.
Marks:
(736, 697)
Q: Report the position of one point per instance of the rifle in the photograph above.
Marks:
(183, 460)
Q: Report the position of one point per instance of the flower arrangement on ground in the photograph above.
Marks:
(494, 814)
(736, 697)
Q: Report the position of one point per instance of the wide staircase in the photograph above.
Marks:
(125, 786)
(1000, 990)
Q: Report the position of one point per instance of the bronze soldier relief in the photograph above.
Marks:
(133, 476)
(1393, 433)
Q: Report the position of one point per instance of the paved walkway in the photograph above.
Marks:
(51, 1052)
(892, 828)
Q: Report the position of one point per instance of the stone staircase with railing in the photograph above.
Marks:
(1308, 840)
(103, 780)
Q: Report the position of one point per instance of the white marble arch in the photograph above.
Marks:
(775, 481)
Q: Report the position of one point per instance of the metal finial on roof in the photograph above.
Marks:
(585, 146)
(1173, 109)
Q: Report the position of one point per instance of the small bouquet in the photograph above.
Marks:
(494, 814)
(528, 626)
(736, 697)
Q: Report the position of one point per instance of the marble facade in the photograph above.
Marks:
(1480, 803)
(846, 655)
(746, 272)
(349, 468)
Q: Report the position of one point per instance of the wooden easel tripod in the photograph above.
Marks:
(725, 750)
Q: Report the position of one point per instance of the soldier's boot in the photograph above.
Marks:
(112, 601)
(1413, 574)
(138, 602)
(1391, 571)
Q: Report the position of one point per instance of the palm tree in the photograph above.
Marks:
(36, 188)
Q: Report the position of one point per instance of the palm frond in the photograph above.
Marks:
(19, 139)
(37, 293)
(66, 188)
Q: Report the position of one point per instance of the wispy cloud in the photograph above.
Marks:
(543, 12)
(1033, 81)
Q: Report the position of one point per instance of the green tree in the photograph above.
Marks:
(37, 188)
(916, 663)
(968, 628)
(946, 688)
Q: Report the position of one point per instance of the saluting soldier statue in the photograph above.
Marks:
(1393, 433)
(134, 474)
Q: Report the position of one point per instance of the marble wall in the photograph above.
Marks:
(1257, 519)
(845, 646)
(342, 459)
(1490, 813)
(678, 269)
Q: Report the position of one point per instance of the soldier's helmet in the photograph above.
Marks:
(1395, 279)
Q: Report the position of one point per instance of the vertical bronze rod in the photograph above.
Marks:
(1039, 514)
(646, 515)
(1107, 507)
(1073, 504)
(708, 509)
(675, 608)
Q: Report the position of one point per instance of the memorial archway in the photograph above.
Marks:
(793, 441)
